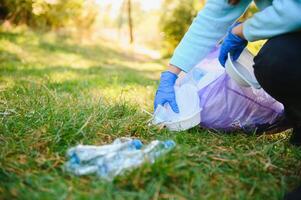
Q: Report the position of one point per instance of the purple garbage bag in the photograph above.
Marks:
(227, 106)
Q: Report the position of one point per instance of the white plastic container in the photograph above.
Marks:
(242, 70)
(185, 123)
(190, 112)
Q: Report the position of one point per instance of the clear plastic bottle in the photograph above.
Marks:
(83, 159)
(115, 164)
(111, 160)
(83, 153)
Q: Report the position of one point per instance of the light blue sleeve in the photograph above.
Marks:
(281, 17)
(206, 31)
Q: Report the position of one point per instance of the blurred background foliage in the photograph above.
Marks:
(175, 20)
(49, 14)
(156, 24)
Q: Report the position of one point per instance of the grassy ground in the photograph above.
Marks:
(56, 93)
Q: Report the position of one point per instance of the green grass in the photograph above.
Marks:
(56, 93)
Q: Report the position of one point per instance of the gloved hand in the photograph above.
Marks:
(166, 92)
(233, 44)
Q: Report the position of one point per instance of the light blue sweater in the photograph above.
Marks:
(275, 17)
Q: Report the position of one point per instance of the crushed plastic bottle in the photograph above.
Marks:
(83, 158)
(116, 164)
(108, 161)
(83, 153)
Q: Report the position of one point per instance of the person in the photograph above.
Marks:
(277, 65)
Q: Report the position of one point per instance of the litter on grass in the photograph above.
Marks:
(108, 161)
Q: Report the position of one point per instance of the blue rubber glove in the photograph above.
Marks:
(166, 91)
(233, 44)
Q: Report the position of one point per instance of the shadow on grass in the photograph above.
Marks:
(92, 52)
(4, 56)
(9, 36)
(86, 77)
(95, 52)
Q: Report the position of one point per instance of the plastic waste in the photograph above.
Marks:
(108, 161)
(83, 153)
(242, 70)
(226, 106)
(222, 103)
(188, 102)
(115, 164)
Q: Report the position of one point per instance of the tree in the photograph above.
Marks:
(175, 20)
(130, 20)
(48, 13)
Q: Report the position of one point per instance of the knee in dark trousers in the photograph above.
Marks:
(278, 70)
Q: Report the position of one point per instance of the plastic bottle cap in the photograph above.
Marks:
(137, 143)
(169, 144)
(74, 159)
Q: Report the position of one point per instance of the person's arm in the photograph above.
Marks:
(283, 16)
(206, 31)
(174, 69)
(238, 30)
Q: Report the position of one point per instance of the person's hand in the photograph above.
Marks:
(166, 92)
(233, 43)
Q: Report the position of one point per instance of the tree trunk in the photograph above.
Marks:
(130, 20)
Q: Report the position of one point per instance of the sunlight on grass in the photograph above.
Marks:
(6, 82)
(14, 49)
(68, 59)
(146, 67)
(63, 76)
(135, 94)
(41, 58)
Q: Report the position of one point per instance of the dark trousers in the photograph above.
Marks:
(278, 70)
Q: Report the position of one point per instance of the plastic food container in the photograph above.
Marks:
(186, 123)
(241, 71)
(190, 112)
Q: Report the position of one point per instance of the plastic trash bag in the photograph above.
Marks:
(227, 106)
(223, 104)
